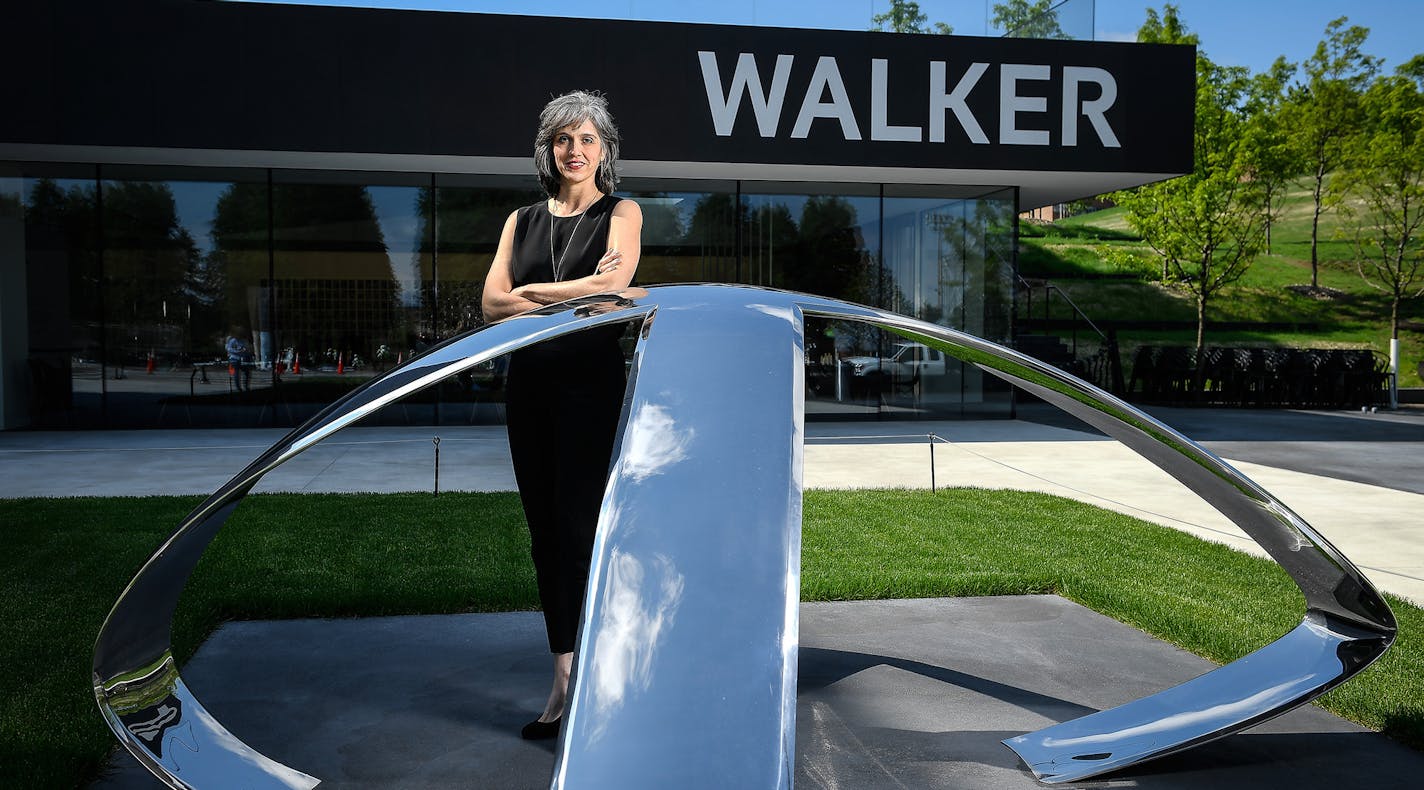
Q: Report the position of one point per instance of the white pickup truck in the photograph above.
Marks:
(907, 365)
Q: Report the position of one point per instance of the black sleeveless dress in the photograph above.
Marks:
(563, 401)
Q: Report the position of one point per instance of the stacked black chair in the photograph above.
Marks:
(1262, 377)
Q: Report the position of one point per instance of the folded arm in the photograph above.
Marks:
(615, 269)
(498, 299)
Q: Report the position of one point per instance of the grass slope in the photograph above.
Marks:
(344, 555)
(1077, 251)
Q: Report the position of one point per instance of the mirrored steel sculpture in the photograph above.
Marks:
(686, 673)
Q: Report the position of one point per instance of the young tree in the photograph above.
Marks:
(1323, 113)
(1166, 28)
(1384, 178)
(904, 16)
(1028, 19)
(1412, 69)
(1207, 225)
(1274, 158)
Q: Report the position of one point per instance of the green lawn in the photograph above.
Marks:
(345, 555)
(1077, 251)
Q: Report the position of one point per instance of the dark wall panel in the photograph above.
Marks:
(190, 74)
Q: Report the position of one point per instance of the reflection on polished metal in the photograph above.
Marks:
(687, 653)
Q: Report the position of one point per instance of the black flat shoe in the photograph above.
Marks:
(541, 730)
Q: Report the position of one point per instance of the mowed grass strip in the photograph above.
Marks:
(279, 556)
(323, 555)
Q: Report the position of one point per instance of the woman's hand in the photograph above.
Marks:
(609, 262)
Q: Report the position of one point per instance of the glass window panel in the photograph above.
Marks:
(185, 322)
(824, 240)
(817, 243)
(469, 220)
(347, 285)
(689, 230)
(66, 341)
(364, 270)
(1070, 19)
(1076, 18)
(996, 219)
(470, 216)
(948, 260)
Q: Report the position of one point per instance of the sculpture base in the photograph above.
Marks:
(891, 693)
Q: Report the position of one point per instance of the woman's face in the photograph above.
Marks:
(577, 151)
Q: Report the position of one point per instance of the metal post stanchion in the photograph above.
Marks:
(1394, 373)
(436, 440)
(932, 469)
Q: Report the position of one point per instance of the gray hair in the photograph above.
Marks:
(572, 109)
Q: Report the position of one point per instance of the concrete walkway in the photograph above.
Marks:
(1358, 478)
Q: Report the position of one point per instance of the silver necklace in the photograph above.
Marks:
(558, 263)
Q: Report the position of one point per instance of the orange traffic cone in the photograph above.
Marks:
(150, 362)
(340, 366)
(296, 364)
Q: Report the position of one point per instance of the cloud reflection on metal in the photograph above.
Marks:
(693, 610)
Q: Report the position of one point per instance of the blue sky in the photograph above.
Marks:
(1247, 33)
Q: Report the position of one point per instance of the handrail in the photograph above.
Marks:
(1111, 379)
(1047, 287)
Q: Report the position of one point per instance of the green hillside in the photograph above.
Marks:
(1113, 275)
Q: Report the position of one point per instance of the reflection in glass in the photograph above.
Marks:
(690, 230)
(1077, 18)
(468, 220)
(947, 261)
(815, 243)
(153, 272)
(1070, 19)
(343, 285)
(330, 278)
(456, 252)
(62, 278)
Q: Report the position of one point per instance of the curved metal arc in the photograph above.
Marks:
(1347, 624)
(1307, 661)
(1160, 445)
(694, 589)
(132, 655)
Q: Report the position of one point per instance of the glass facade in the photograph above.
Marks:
(167, 297)
(1071, 19)
(68, 359)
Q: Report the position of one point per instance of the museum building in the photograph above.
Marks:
(329, 184)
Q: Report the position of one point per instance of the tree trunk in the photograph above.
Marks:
(1198, 377)
(1315, 227)
(1201, 322)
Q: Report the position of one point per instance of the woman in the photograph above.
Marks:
(564, 396)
